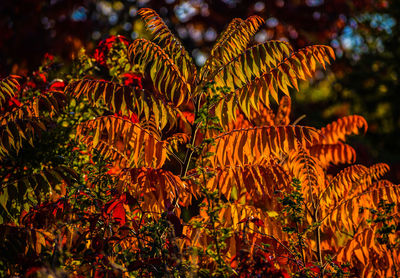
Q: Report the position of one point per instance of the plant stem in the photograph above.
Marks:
(300, 240)
(396, 275)
(189, 151)
(318, 240)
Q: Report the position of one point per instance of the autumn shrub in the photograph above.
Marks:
(135, 162)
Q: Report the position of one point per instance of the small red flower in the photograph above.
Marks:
(104, 47)
(99, 56)
(132, 79)
(14, 102)
(109, 42)
(31, 84)
(115, 209)
(57, 85)
(48, 58)
(189, 116)
(40, 76)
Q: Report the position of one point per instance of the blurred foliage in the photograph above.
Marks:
(62, 27)
(364, 81)
(371, 82)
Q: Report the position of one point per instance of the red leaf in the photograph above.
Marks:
(40, 76)
(32, 270)
(258, 222)
(244, 220)
(285, 274)
(104, 47)
(115, 209)
(57, 85)
(134, 118)
(14, 102)
(314, 268)
(189, 116)
(48, 56)
(132, 79)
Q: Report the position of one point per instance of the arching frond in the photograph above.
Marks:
(232, 42)
(350, 182)
(52, 103)
(169, 43)
(263, 117)
(30, 239)
(378, 170)
(338, 130)
(142, 148)
(258, 182)
(176, 139)
(352, 211)
(164, 73)
(234, 213)
(13, 192)
(23, 123)
(251, 63)
(251, 80)
(307, 169)
(119, 157)
(126, 99)
(333, 154)
(227, 32)
(255, 145)
(341, 184)
(14, 133)
(283, 113)
(8, 88)
(235, 216)
(155, 189)
(369, 257)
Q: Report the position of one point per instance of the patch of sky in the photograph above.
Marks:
(231, 3)
(105, 8)
(134, 35)
(272, 22)
(127, 26)
(314, 3)
(199, 57)
(350, 39)
(210, 35)
(379, 21)
(261, 36)
(141, 3)
(185, 11)
(259, 6)
(358, 44)
(132, 11)
(96, 35)
(113, 18)
(47, 23)
(79, 14)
